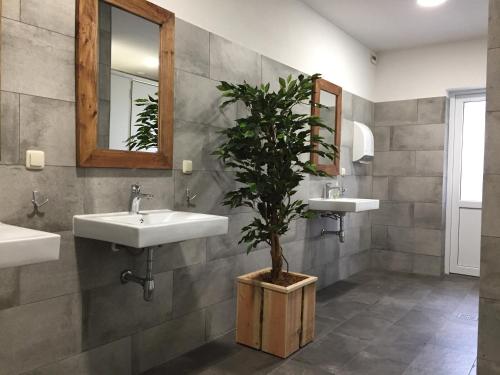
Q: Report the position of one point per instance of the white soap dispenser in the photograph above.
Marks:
(363, 144)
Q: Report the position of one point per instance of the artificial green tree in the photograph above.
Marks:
(269, 150)
(146, 136)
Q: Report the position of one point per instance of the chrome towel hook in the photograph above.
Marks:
(35, 200)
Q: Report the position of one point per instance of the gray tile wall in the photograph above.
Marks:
(489, 292)
(408, 170)
(73, 315)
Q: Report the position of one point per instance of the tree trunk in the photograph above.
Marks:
(276, 256)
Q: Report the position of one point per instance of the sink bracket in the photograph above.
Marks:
(335, 216)
(147, 282)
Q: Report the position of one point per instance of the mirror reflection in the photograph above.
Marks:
(129, 50)
(327, 113)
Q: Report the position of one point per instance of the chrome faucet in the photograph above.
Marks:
(333, 191)
(327, 191)
(135, 199)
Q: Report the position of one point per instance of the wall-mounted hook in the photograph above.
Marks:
(189, 197)
(35, 200)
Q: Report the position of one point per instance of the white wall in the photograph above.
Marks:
(287, 31)
(430, 71)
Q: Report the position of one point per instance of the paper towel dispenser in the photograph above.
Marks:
(363, 146)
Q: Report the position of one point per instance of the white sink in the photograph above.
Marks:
(343, 204)
(20, 246)
(148, 228)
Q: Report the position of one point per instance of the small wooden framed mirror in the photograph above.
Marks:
(125, 84)
(329, 96)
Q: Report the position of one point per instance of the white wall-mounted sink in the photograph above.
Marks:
(343, 204)
(20, 246)
(148, 228)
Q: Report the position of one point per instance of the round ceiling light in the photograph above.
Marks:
(430, 3)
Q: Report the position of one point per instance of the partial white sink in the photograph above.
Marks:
(20, 246)
(148, 228)
(343, 204)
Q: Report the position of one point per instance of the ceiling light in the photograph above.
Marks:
(151, 62)
(430, 3)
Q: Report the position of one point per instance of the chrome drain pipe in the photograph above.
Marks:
(335, 216)
(147, 283)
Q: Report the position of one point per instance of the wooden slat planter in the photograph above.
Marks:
(275, 319)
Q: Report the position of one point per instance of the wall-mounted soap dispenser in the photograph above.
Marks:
(363, 147)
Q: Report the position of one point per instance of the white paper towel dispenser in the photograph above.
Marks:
(362, 147)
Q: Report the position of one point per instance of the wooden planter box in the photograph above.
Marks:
(275, 319)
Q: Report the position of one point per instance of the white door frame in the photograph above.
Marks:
(453, 179)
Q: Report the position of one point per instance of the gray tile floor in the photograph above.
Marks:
(373, 323)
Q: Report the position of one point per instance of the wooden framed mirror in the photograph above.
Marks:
(329, 96)
(124, 84)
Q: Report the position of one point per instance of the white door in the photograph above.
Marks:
(465, 183)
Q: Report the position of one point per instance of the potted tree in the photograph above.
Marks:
(275, 308)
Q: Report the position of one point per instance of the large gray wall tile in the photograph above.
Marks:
(61, 185)
(227, 244)
(347, 133)
(402, 112)
(488, 367)
(490, 268)
(211, 186)
(351, 265)
(191, 142)
(113, 358)
(428, 215)
(117, 311)
(427, 265)
(108, 190)
(379, 236)
(232, 62)
(197, 99)
(491, 198)
(178, 255)
(493, 80)
(220, 318)
(9, 287)
(429, 241)
(392, 260)
(272, 70)
(37, 62)
(429, 163)
(199, 286)
(55, 15)
(432, 110)
(362, 110)
(415, 240)
(492, 143)
(380, 188)
(40, 333)
(347, 99)
(48, 125)
(393, 213)
(382, 138)
(394, 163)
(494, 25)
(419, 137)
(489, 329)
(192, 48)
(157, 345)
(415, 189)
(9, 130)
(83, 264)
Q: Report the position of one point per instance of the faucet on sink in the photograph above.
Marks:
(333, 191)
(135, 199)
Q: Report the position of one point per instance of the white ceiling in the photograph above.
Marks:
(397, 24)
